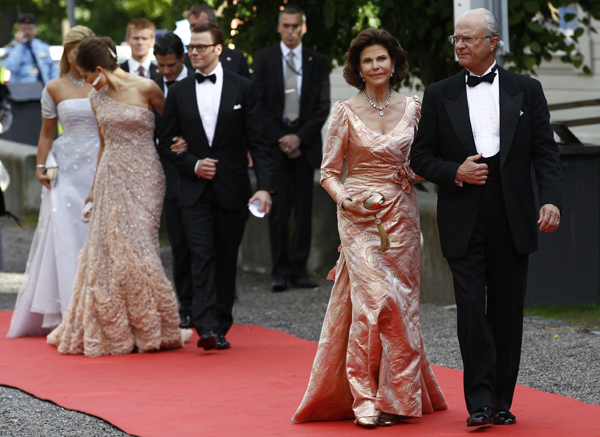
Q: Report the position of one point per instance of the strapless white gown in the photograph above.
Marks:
(60, 234)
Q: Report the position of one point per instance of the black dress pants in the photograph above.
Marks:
(489, 286)
(293, 184)
(181, 257)
(214, 235)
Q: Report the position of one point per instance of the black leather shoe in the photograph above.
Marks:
(504, 417)
(303, 283)
(278, 285)
(222, 343)
(186, 321)
(208, 341)
(481, 416)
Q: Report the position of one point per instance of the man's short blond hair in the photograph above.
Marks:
(140, 24)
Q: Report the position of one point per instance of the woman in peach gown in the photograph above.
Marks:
(371, 364)
(122, 301)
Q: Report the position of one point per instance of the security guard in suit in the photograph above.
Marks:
(28, 58)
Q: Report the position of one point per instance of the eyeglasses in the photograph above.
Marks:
(200, 48)
(466, 39)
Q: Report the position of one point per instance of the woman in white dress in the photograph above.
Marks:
(60, 234)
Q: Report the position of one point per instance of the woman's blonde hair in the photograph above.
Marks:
(73, 37)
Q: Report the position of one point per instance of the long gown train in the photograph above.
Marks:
(371, 357)
(122, 300)
(60, 233)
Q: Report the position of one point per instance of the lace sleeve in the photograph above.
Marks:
(48, 105)
(334, 151)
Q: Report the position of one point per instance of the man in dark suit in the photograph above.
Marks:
(140, 37)
(217, 113)
(294, 86)
(480, 133)
(169, 54)
(232, 60)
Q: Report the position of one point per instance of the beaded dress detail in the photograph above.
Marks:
(122, 300)
(371, 356)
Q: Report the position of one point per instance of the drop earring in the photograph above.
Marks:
(97, 79)
(393, 71)
(361, 76)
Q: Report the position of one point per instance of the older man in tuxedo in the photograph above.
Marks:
(294, 86)
(169, 54)
(480, 134)
(217, 113)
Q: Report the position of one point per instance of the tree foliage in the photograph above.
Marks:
(421, 26)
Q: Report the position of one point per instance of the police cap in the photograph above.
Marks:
(26, 18)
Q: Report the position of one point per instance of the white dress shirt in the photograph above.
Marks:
(135, 65)
(484, 112)
(182, 75)
(285, 50)
(208, 95)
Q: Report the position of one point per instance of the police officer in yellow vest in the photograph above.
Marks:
(28, 58)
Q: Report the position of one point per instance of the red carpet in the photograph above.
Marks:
(252, 389)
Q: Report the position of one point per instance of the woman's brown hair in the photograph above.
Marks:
(97, 52)
(368, 38)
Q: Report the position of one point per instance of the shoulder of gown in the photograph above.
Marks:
(413, 108)
(338, 114)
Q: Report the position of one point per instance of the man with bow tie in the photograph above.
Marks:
(216, 112)
(480, 134)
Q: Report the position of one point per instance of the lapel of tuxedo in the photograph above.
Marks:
(229, 94)
(307, 63)
(457, 108)
(278, 73)
(511, 102)
(190, 105)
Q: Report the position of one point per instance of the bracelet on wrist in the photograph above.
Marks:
(341, 204)
(40, 166)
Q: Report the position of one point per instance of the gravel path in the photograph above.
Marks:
(557, 357)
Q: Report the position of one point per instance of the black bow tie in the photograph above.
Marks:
(476, 80)
(201, 78)
(169, 83)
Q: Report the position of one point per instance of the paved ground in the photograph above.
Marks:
(557, 357)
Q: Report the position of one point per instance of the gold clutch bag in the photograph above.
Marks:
(375, 202)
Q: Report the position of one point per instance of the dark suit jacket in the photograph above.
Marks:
(154, 71)
(239, 119)
(314, 98)
(232, 60)
(445, 140)
(171, 174)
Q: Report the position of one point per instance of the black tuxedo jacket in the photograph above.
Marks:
(239, 118)
(445, 140)
(154, 71)
(314, 98)
(171, 174)
(232, 60)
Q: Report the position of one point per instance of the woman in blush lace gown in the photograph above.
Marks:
(122, 301)
(60, 234)
(371, 364)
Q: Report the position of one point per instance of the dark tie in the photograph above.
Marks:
(170, 83)
(201, 78)
(476, 80)
(141, 71)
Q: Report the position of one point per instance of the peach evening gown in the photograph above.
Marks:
(371, 357)
(122, 301)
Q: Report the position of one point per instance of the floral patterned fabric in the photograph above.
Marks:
(371, 357)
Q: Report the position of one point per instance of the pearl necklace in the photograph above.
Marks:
(76, 82)
(379, 108)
